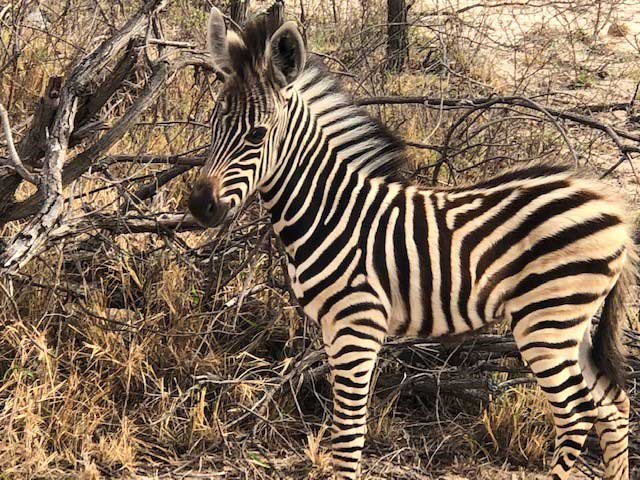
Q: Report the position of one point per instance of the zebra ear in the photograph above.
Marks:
(287, 53)
(217, 42)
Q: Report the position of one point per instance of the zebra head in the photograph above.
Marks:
(257, 64)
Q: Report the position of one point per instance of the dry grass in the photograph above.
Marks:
(144, 355)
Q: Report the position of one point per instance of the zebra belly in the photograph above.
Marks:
(435, 323)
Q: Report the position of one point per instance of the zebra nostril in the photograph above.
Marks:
(204, 205)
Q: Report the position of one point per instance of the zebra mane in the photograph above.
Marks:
(388, 156)
(248, 58)
(392, 164)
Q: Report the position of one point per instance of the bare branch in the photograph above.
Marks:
(127, 224)
(486, 102)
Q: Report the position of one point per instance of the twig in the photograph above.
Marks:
(194, 161)
(170, 43)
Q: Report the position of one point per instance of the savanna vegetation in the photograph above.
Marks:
(135, 344)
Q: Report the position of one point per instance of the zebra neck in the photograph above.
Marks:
(329, 150)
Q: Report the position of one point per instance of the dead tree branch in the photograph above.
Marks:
(49, 212)
(487, 102)
(14, 160)
(81, 163)
(127, 224)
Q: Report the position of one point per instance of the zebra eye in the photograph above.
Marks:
(256, 135)
(223, 107)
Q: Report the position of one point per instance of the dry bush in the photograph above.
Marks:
(175, 351)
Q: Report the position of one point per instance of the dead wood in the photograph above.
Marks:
(49, 211)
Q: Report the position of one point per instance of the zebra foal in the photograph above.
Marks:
(370, 256)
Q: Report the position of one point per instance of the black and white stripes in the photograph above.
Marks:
(540, 248)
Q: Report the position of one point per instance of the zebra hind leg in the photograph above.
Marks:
(352, 349)
(556, 366)
(612, 424)
(613, 429)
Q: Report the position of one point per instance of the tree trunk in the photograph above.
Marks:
(397, 35)
(238, 11)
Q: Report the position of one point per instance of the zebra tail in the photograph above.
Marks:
(609, 351)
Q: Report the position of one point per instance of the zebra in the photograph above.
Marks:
(370, 255)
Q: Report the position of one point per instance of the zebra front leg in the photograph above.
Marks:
(352, 348)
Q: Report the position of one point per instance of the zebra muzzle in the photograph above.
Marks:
(205, 205)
